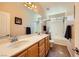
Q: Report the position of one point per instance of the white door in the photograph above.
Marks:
(4, 24)
(0, 26)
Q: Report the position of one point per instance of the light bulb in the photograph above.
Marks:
(28, 7)
(32, 5)
(35, 7)
(25, 5)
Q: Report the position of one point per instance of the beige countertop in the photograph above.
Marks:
(9, 49)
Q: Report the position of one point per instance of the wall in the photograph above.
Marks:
(18, 10)
(76, 26)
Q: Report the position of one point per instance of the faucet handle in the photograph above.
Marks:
(15, 37)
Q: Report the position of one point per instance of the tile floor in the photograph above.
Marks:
(58, 51)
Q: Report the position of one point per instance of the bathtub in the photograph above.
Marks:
(61, 41)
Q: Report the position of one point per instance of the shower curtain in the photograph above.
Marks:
(56, 28)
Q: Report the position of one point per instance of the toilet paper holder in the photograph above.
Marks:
(76, 50)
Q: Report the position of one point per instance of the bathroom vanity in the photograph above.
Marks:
(38, 49)
(27, 46)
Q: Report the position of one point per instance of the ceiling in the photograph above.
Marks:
(57, 7)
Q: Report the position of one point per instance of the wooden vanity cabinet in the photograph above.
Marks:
(42, 48)
(33, 51)
(39, 49)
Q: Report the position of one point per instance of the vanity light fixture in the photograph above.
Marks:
(30, 5)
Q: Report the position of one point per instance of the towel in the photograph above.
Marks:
(68, 33)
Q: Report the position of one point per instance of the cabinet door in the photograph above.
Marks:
(23, 54)
(47, 45)
(33, 51)
(42, 50)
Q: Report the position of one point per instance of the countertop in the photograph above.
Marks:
(8, 48)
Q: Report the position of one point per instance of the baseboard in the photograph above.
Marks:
(70, 51)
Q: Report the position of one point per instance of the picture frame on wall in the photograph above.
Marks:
(18, 20)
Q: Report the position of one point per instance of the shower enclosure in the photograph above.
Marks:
(56, 27)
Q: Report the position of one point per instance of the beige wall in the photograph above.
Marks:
(76, 28)
(18, 10)
(76, 24)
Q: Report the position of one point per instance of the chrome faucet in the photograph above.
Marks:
(14, 38)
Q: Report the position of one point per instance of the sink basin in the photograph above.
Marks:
(17, 44)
